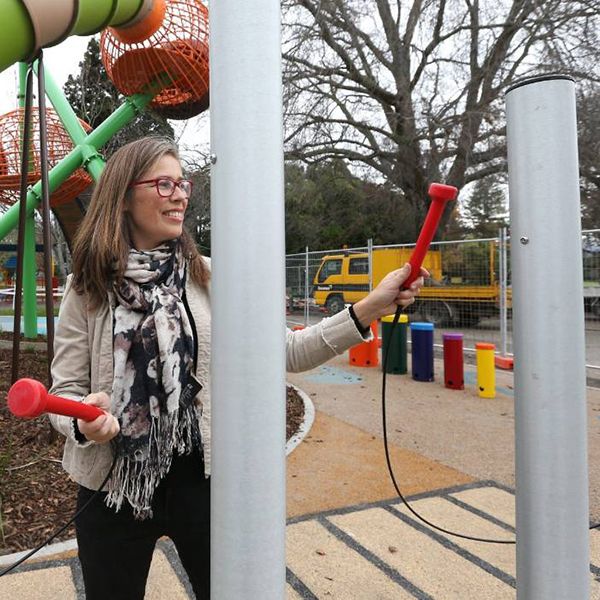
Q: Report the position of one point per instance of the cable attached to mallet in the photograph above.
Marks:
(440, 194)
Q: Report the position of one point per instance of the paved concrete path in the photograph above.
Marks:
(362, 552)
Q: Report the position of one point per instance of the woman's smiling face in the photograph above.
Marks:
(154, 219)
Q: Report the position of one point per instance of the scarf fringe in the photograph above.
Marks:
(135, 480)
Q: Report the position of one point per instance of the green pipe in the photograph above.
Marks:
(93, 161)
(63, 108)
(125, 12)
(29, 280)
(29, 298)
(16, 33)
(95, 140)
(90, 14)
(131, 108)
(94, 14)
(18, 38)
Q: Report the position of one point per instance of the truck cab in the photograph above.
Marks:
(340, 280)
(344, 278)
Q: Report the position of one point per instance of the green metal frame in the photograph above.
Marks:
(85, 154)
(18, 40)
(18, 37)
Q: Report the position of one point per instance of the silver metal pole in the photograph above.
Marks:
(370, 251)
(550, 412)
(503, 289)
(248, 351)
(306, 284)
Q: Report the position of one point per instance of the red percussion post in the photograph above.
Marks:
(28, 398)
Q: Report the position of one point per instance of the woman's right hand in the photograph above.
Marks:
(389, 295)
(103, 428)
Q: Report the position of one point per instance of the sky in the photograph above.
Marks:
(60, 61)
(63, 60)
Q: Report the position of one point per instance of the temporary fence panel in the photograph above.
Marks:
(470, 293)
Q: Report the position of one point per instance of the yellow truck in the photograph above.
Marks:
(344, 279)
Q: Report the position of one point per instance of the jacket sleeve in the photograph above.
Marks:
(71, 364)
(310, 347)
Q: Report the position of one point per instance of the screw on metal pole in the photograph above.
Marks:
(524, 240)
(213, 159)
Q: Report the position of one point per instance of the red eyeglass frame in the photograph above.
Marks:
(156, 181)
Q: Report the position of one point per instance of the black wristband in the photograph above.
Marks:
(78, 435)
(362, 330)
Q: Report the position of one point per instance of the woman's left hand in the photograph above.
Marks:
(388, 295)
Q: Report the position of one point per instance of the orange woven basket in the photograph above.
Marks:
(175, 53)
(59, 145)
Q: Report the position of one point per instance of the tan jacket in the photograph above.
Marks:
(83, 364)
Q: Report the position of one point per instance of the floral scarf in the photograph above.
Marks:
(153, 358)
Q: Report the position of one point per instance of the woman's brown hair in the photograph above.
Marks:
(102, 242)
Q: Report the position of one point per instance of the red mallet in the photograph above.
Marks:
(440, 194)
(28, 398)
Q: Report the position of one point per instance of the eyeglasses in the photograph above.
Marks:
(165, 186)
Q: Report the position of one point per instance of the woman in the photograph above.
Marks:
(133, 337)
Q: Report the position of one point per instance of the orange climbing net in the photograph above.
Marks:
(59, 145)
(174, 54)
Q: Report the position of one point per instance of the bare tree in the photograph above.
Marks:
(413, 91)
(588, 113)
(197, 216)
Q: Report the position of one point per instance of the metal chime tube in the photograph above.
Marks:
(548, 321)
(248, 296)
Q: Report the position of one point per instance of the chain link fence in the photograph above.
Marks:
(300, 272)
(469, 290)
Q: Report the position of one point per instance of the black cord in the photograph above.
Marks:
(64, 527)
(389, 463)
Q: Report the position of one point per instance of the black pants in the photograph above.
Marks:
(115, 550)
